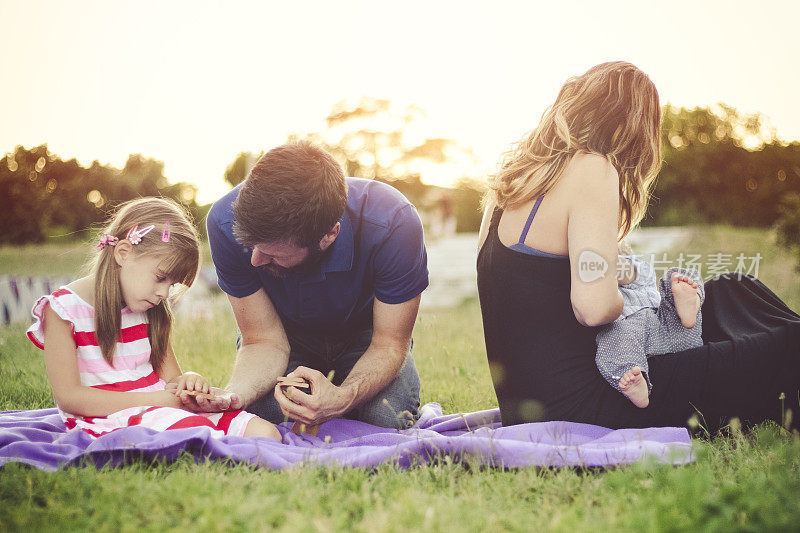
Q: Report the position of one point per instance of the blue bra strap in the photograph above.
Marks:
(530, 220)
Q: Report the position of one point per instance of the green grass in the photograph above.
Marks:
(743, 482)
(67, 259)
(56, 259)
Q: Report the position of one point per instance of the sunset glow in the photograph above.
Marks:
(195, 83)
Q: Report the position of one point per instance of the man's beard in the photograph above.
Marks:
(314, 257)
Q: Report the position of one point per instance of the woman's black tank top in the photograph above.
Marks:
(542, 360)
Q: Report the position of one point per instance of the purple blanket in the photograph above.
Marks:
(39, 438)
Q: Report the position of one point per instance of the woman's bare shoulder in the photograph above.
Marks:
(592, 162)
(588, 171)
(589, 179)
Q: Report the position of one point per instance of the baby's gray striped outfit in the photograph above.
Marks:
(649, 324)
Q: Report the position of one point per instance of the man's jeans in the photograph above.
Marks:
(396, 406)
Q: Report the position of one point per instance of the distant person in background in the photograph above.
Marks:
(324, 275)
(444, 218)
(588, 169)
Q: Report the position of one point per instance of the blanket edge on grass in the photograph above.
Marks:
(39, 439)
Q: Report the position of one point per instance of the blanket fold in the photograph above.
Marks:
(39, 439)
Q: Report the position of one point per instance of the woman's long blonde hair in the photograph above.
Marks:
(612, 110)
(181, 262)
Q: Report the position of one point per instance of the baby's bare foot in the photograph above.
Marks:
(634, 386)
(687, 301)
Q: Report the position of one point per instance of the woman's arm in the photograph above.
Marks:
(485, 221)
(61, 363)
(592, 238)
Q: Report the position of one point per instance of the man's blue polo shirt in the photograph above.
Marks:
(379, 253)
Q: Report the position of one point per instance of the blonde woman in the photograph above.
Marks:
(549, 277)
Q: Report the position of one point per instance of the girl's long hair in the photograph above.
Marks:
(612, 110)
(181, 262)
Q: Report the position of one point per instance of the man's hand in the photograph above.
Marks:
(264, 351)
(215, 401)
(325, 402)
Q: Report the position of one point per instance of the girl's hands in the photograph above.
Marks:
(214, 401)
(189, 387)
(189, 381)
(166, 398)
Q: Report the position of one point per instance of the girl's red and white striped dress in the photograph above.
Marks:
(131, 372)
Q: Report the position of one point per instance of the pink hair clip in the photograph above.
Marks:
(135, 234)
(107, 240)
(165, 233)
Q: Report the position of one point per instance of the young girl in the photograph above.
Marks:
(106, 336)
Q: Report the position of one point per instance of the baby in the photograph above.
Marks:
(653, 322)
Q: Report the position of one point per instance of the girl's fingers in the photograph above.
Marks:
(196, 382)
(192, 382)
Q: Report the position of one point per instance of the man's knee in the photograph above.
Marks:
(396, 406)
(380, 412)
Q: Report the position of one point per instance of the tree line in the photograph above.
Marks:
(720, 166)
(42, 195)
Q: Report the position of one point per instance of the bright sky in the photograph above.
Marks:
(193, 83)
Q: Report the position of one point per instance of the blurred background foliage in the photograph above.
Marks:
(720, 167)
(372, 139)
(42, 196)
